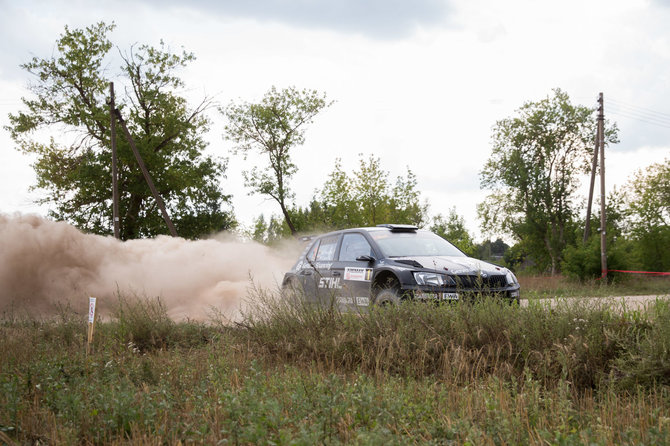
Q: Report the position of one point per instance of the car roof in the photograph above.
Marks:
(384, 227)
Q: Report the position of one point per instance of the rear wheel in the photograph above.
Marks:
(293, 289)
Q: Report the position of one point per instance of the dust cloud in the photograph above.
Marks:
(45, 265)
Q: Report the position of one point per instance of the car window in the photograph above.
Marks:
(408, 244)
(327, 247)
(312, 251)
(354, 246)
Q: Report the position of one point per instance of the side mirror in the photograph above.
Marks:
(365, 258)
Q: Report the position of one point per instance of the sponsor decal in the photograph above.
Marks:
(433, 296)
(306, 265)
(461, 271)
(91, 310)
(358, 274)
(330, 282)
(362, 301)
(447, 296)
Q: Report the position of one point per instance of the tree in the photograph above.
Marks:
(338, 197)
(534, 172)
(492, 251)
(272, 128)
(363, 198)
(70, 94)
(647, 201)
(582, 261)
(371, 192)
(268, 232)
(366, 198)
(453, 229)
(405, 203)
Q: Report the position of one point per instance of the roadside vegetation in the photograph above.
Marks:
(542, 287)
(288, 373)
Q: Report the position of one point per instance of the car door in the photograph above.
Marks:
(308, 274)
(355, 274)
(326, 282)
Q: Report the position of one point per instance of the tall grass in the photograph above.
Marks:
(533, 287)
(585, 343)
(291, 373)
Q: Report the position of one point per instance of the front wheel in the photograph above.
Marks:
(387, 297)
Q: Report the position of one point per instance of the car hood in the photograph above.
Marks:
(451, 265)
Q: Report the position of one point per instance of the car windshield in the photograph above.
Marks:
(414, 244)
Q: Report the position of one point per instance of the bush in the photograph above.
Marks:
(583, 261)
(646, 360)
(143, 324)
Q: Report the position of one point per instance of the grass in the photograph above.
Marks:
(467, 373)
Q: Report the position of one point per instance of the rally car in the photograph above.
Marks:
(388, 263)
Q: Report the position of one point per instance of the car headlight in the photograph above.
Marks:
(511, 278)
(432, 279)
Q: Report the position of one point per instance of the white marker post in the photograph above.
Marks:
(91, 323)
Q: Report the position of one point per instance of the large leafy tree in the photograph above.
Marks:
(647, 202)
(69, 99)
(534, 172)
(272, 128)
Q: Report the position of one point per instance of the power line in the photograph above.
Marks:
(642, 115)
(640, 109)
(637, 113)
(657, 122)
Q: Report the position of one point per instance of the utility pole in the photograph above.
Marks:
(115, 173)
(603, 217)
(145, 172)
(594, 167)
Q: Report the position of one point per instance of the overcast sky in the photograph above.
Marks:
(418, 83)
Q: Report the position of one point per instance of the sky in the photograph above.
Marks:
(419, 84)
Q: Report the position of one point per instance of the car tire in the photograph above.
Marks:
(293, 289)
(387, 297)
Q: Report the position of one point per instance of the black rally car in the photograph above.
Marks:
(388, 263)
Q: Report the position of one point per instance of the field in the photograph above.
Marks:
(467, 373)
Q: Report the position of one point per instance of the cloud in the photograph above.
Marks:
(380, 19)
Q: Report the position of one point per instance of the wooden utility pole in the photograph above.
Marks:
(603, 216)
(594, 167)
(145, 172)
(115, 172)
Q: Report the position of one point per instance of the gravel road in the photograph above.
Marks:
(619, 302)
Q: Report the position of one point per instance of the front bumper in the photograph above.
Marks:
(455, 294)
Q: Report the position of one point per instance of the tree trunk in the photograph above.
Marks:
(552, 256)
(132, 216)
(287, 218)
